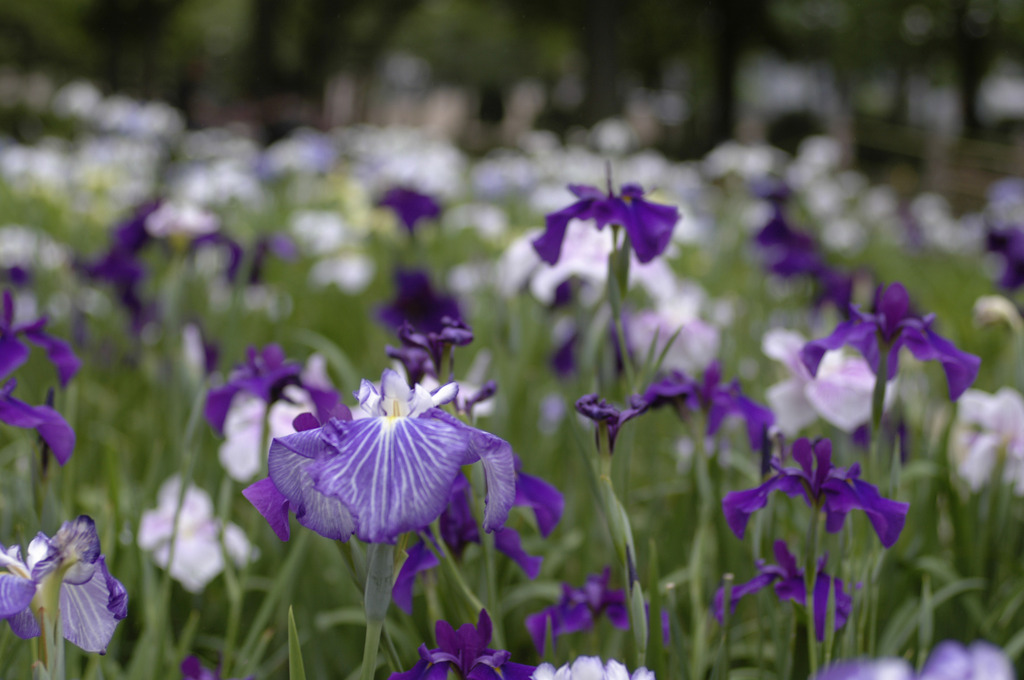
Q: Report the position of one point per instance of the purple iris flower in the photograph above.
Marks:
(836, 491)
(410, 206)
(389, 473)
(579, 609)
(418, 304)
(91, 602)
(193, 669)
(1009, 243)
(125, 273)
(14, 352)
(648, 225)
(607, 416)
(459, 529)
(712, 397)
(278, 245)
(465, 652)
(789, 585)
(50, 425)
(787, 251)
(453, 333)
(892, 326)
(264, 374)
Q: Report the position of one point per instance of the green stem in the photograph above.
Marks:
(380, 578)
(810, 577)
(877, 411)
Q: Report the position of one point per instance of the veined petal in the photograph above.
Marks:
(289, 465)
(90, 611)
(15, 594)
(24, 624)
(270, 503)
(393, 474)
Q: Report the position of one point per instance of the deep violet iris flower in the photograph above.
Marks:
(579, 609)
(608, 417)
(836, 491)
(465, 652)
(648, 225)
(192, 669)
(891, 327)
(65, 573)
(410, 206)
(380, 476)
(418, 304)
(717, 400)
(1009, 243)
(790, 585)
(14, 352)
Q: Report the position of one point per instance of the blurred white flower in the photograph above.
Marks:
(840, 393)
(181, 220)
(590, 668)
(989, 427)
(198, 557)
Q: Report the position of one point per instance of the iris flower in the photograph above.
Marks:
(382, 475)
(591, 668)
(834, 490)
(579, 609)
(410, 206)
(891, 327)
(789, 585)
(465, 653)
(65, 573)
(648, 225)
(14, 352)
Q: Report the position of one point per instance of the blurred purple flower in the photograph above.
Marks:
(712, 397)
(648, 225)
(789, 585)
(410, 206)
(465, 653)
(891, 327)
(836, 491)
(418, 304)
(607, 416)
(579, 609)
(1009, 243)
(50, 425)
(193, 669)
(14, 352)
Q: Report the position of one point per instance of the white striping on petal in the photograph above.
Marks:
(88, 623)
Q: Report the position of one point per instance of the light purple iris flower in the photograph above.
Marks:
(893, 326)
(91, 601)
(466, 653)
(790, 585)
(382, 475)
(579, 609)
(950, 660)
(14, 352)
(836, 491)
(648, 225)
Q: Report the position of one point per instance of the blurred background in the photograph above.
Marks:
(930, 90)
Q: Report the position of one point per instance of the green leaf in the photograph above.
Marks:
(296, 671)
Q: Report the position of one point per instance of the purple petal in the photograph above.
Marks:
(424, 670)
(270, 503)
(24, 624)
(394, 474)
(887, 516)
(507, 541)
(289, 465)
(419, 558)
(16, 593)
(843, 603)
(544, 499)
(863, 336)
(218, 401)
(59, 352)
(738, 506)
(752, 586)
(549, 244)
(90, 611)
(12, 355)
(537, 625)
(649, 226)
(50, 425)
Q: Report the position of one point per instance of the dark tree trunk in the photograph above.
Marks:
(970, 49)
